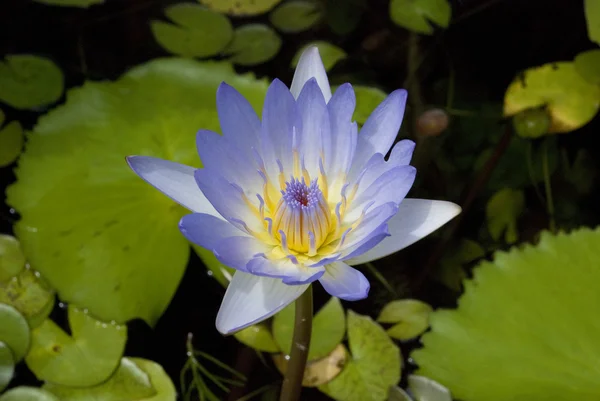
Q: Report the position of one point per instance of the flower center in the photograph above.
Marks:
(302, 218)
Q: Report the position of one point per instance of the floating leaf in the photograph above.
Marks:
(11, 143)
(25, 393)
(258, 337)
(86, 358)
(451, 271)
(12, 260)
(587, 65)
(102, 237)
(7, 366)
(28, 81)
(375, 364)
(367, 99)
(502, 212)
(253, 44)
(128, 382)
(71, 3)
(240, 7)
(343, 16)
(416, 15)
(319, 371)
(199, 32)
(295, 16)
(14, 331)
(328, 329)
(534, 305)
(165, 390)
(27, 293)
(592, 17)
(569, 99)
(216, 269)
(410, 315)
(330, 54)
(397, 394)
(425, 389)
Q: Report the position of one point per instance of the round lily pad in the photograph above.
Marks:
(199, 32)
(28, 81)
(588, 65)
(11, 143)
(524, 328)
(296, 16)
(425, 389)
(416, 15)
(411, 318)
(14, 331)
(253, 44)
(7, 366)
(12, 260)
(27, 293)
(319, 371)
(330, 54)
(569, 99)
(258, 337)
(25, 393)
(329, 326)
(128, 382)
(592, 17)
(103, 238)
(375, 365)
(86, 358)
(240, 7)
(367, 99)
(163, 386)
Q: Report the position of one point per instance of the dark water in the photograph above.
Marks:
(486, 49)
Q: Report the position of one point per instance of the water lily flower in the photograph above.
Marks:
(300, 196)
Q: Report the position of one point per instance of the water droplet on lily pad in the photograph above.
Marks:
(330, 54)
(416, 15)
(86, 358)
(410, 318)
(241, 7)
(7, 366)
(28, 81)
(199, 32)
(253, 44)
(14, 331)
(296, 16)
(26, 393)
(12, 260)
(329, 326)
(128, 382)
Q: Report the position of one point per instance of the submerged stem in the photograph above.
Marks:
(292, 382)
(548, 187)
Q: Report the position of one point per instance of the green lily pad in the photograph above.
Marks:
(587, 65)
(102, 237)
(411, 318)
(451, 271)
(375, 367)
(416, 15)
(532, 309)
(26, 393)
(425, 389)
(11, 143)
(71, 3)
(328, 329)
(569, 99)
(86, 358)
(7, 366)
(241, 7)
(296, 16)
(532, 123)
(253, 44)
(199, 32)
(216, 269)
(28, 81)
(502, 212)
(330, 54)
(12, 260)
(14, 331)
(367, 99)
(592, 17)
(128, 382)
(27, 293)
(258, 337)
(165, 390)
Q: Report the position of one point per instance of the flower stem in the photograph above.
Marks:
(548, 187)
(292, 382)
